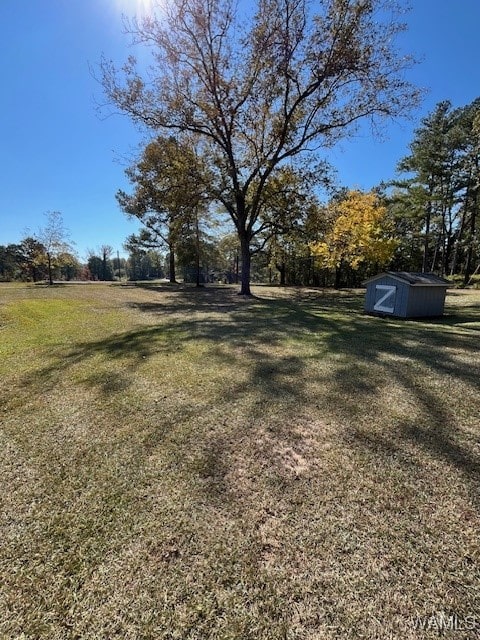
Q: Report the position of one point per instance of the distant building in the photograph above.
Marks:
(405, 295)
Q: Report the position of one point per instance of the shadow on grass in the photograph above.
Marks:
(113, 488)
(250, 335)
(433, 432)
(329, 323)
(469, 315)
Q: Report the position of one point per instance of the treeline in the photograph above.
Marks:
(425, 219)
(28, 262)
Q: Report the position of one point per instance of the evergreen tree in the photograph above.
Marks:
(438, 200)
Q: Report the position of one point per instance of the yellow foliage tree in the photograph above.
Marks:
(359, 233)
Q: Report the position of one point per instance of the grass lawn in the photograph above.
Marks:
(181, 463)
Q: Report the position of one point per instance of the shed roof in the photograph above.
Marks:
(413, 279)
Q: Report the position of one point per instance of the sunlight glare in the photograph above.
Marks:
(137, 7)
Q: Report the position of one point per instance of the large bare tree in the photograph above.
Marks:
(259, 87)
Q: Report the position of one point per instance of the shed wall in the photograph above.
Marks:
(426, 301)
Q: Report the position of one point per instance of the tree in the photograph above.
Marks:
(100, 263)
(469, 122)
(24, 261)
(32, 259)
(94, 265)
(406, 213)
(68, 266)
(142, 263)
(169, 194)
(53, 237)
(10, 258)
(433, 165)
(119, 266)
(440, 195)
(256, 91)
(107, 272)
(289, 204)
(359, 234)
(228, 257)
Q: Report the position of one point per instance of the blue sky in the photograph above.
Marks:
(56, 153)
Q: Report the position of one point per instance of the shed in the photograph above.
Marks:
(405, 295)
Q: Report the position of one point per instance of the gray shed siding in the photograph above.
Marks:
(426, 301)
(387, 295)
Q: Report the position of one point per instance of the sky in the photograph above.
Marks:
(58, 153)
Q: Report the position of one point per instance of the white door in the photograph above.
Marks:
(385, 298)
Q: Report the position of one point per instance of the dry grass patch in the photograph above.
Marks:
(189, 464)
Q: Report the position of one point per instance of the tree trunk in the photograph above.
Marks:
(338, 277)
(460, 231)
(246, 262)
(50, 276)
(197, 249)
(426, 241)
(470, 252)
(434, 259)
(173, 279)
(473, 224)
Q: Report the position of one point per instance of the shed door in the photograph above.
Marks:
(385, 295)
